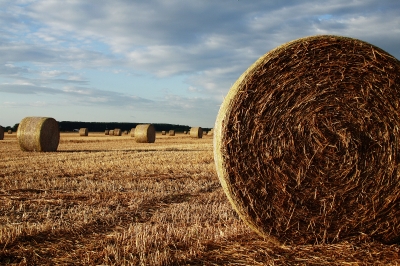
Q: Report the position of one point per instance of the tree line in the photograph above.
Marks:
(69, 126)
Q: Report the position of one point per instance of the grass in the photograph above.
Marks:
(112, 201)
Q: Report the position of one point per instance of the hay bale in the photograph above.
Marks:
(9, 131)
(106, 132)
(111, 132)
(306, 142)
(126, 132)
(163, 132)
(196, 132)
(172, 132)
(145, 133)
(83, 131)
(1, 133)
(117, 132)
(38, 134)
(211, 132)
(133, 132)
(185, 132)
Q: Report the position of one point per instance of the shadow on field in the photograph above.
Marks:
(132, 150)
(43, 247)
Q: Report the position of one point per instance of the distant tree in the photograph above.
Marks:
(15, 127)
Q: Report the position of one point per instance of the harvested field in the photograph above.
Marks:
(113, 201)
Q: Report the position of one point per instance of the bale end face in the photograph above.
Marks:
(38, 134)
(133, 132)
(306, 142)
(117, 132)
(83, 132)
(196, 132)
(145, 133)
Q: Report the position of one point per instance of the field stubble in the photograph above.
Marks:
(107, 200)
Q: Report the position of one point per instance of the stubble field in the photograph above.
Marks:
(107, 200)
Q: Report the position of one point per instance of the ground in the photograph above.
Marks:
(107, 200)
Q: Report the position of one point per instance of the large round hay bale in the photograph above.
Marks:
(163, 132)
(9, 131)
(133, 132)
(117, 132)
(106, 132)
(306, 143)
(1, 133)
(172, 132)
(145, 133)
(83, 131)
(196, 132)
(111, 132)
(38, 134)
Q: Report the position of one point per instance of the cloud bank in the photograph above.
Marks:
(173, 57)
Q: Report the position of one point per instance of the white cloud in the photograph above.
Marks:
(82, 51)
(51, 73)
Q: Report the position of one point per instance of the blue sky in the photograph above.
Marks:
(157, 61)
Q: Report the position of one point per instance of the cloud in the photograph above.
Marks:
(27, 89)
(90, 96)
(83, 51)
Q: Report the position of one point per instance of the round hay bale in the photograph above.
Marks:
(145, 133)
(83, 131)
(163, 132)
(306, 143)
(106, 132)
(133, 132)
(1, 133)
(117, 132)
(185, 132)
(196, 132)
(111, 132)
(38, 134)
(172, 132)
(9, 131)
(126, 132)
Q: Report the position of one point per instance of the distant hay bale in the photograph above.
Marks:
(145, 133)
(185, 132)
(38, 134)
(106, 132)
(196, 132)
(126, 132)
(306, 143)
(211, 132)
(117, 132)
(1, 133)
(111, 132)
(9, 131)
(133, 132)
(83, 131)
(205, 132)
(163, 132)
(172, 132)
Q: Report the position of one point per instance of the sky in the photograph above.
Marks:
(157, 61)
